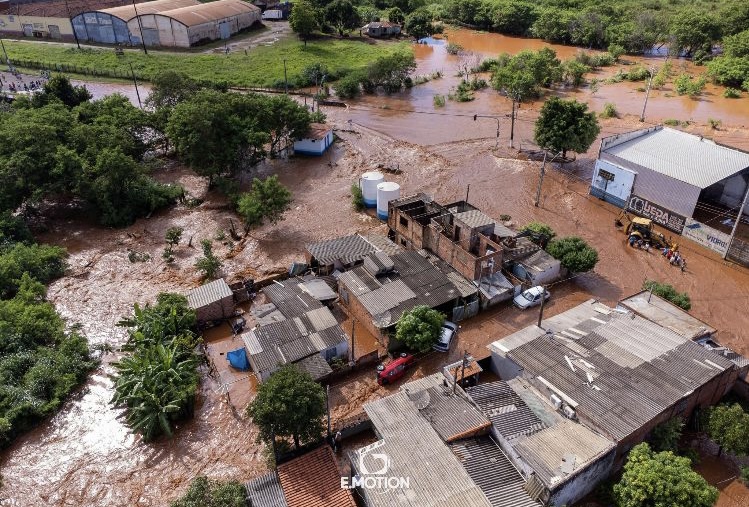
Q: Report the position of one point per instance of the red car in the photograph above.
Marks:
(395, 369)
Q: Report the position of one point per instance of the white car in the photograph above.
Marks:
(449, 330)
(530, 297)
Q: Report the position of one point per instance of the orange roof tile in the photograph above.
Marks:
(313, 480)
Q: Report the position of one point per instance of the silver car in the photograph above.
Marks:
(530, 297)
(449, 330)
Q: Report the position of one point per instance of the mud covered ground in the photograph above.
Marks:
(85, 456)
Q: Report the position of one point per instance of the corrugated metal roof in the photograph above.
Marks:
(493, 472)
(313, 480)
(451, 415)
(265, 491)
(465, 288)
(346, 250)
(127, 12)
(546, 450)
(382, 243)
(666, 314)
(318, 289)
(378, 263)
(474, 218)
(502, 231)
(209, 12)
(638, 369)
(317, 131)
(386, 297)
(540, 261)
(315, 365)
(208, 294)
(682, 156)
(417, 452)
(355, 284)
(507, 411)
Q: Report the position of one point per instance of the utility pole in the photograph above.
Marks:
(286, 79)
(738, 219)
(7, 60)
(647, 94)
(75, 34)
(327, 404)
(476, 116)
(353, 338)
(538, 190)
(543, 301)
(463, 372)
(468, 189)
(512, 124)
(135, 82)
(140, 27)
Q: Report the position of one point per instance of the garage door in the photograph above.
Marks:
(224, 30)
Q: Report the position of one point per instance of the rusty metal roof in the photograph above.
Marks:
(313, 480)
(127, 12)
(507, 411)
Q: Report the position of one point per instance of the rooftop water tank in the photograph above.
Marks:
(368, 183)
(386, 192)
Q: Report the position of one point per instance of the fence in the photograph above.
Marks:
(739, 252)
(75, 69)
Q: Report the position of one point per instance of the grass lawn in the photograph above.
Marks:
(261, 66)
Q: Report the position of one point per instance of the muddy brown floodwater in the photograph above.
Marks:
(85, 455)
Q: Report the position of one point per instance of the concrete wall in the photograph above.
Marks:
(535, 276)
(505, 367)
(53, 28)
(617, 191)
(221, 309)
(211, 30)
(574, 489)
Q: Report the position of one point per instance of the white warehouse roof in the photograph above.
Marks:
(682, 156)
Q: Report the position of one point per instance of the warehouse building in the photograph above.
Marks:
(166, 23)
(110, 26)
(687, 184)
(194, 24)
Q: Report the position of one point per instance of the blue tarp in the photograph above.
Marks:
(238, 359)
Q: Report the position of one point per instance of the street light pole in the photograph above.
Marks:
(75, 34)
(135, 82)
(476, 116)
(647, 94)
(140, 27)
(541, 179)
(7, 60)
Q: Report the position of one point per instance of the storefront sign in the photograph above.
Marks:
(658, 214)
(706, 236)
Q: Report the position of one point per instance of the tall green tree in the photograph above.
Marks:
(342, 15)
(288, 405)
(284, 120)
(690, 31)
(420, 328)
(59, 87)
(209, 264)
(303, 19)
(574, 254)
(728, 426)
(267, 201)
(395, 15)
(665, 436)
(661, 479)
(521, 76)
(420, 24)
(566, 125)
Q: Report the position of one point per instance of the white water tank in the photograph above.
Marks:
(368, 183)
(386, 192)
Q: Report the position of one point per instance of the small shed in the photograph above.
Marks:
(381, 29)
(212, 301)
(316, 141)
(538, 268)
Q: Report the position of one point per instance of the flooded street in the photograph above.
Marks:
(85, 455)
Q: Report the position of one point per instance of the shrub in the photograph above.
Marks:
(637, 73)
(686, 85)
(669, 293)
(732, 93)
(609, 111)
(453, 49)
(671, 122)
(603, 60)
(616, 51)
(357, 197)
(205, 492)
(745, 475)
(666, 435)
(540, 228)
(574, 254)
(438, 101)
(209, 264)
(349, 87)
(714, 124)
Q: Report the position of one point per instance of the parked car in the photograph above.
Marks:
(530, 297)
(449, 330)
(387, 374)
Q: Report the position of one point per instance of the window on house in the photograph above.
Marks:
(404, 222)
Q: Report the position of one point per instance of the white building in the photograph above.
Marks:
(318, 138)
(194, 24)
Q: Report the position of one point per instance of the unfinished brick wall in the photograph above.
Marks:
(357, 310)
